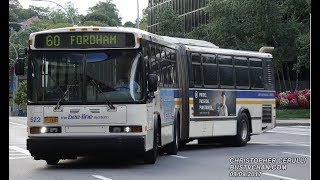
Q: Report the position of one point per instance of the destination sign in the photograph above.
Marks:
(84, 40)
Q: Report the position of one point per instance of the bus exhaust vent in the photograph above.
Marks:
(266, 113)
(269, 71)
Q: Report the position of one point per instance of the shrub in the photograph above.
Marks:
(296, 99)
(284, 102)
(21, 96)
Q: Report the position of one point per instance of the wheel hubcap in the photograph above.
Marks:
(177, 143)
(244, 130)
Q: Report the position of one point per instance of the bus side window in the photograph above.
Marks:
(210, 70)
(242, 72)
(168, 68)
(226, 70)
(146, 56)
(256, 73)
(154, 62)
(173, 69)
(196, 70)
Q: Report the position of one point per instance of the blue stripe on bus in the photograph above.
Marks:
(240, 94)
(190, 93)
(177, 93)
(255, 94)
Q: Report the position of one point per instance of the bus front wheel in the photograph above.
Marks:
(150, 156)
(172, 148)
(52, 161)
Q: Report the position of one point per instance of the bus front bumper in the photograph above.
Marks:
(66, 147)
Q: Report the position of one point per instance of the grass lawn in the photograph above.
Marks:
(293, 113)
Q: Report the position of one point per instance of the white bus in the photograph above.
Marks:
(95, 90)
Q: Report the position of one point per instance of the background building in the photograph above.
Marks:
(191, 11)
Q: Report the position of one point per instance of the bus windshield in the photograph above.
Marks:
(85, 77)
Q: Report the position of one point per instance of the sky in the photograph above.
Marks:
(127, 8)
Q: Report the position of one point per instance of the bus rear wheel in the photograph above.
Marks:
(243, 131)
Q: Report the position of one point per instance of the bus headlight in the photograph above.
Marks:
(42, 130)
(127, 129)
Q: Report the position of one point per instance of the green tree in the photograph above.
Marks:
(169, 22)
(14, 8)
(299, 12)
(74, 13)
(250, 24)
(42, 13)
(21, 96)
(144, 21)
(93, 23)
(243, 24)
(129, 24)
(104, 12)
(24, 14)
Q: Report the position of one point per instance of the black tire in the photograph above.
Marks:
(243, 131)
(150, 156)
(52, 161)
(172, 148)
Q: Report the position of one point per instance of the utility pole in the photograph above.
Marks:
(14, 80)
(137, 14)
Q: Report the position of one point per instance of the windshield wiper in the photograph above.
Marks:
(64, 95)
(99, 89)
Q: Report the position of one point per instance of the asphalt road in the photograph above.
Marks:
(284, 143)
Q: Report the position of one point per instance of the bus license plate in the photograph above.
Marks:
(50, 120)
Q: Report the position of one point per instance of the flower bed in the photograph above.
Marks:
(293, 100)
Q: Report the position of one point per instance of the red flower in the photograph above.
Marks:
(293, 103)
(303, 102)
(292, 96)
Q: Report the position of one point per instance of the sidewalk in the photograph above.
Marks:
(293, 122)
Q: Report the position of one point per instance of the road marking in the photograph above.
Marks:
(101, 177)
(302, 127)
(12, 144)
(15, 153)
(23, 151)
(279, 143)
(18, 124)
(297, 154)
(265, 143)
(23, 157)
(298, 144)
(295, 130)
(277, 176)
(182, 157)
(18, 153)
(297, 127)
(283, 132)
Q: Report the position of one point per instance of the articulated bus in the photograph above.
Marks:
(95, 90)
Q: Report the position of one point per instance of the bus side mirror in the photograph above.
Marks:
(19, 67)
(152, 82)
